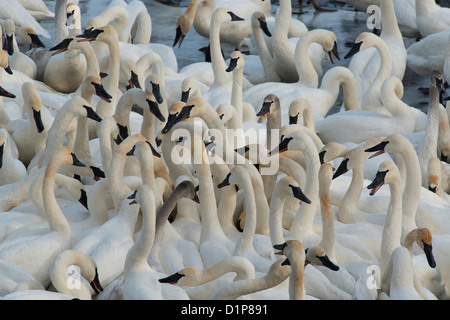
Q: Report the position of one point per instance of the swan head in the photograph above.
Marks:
(331, 151)
(90, 34)
(184, 24)
(318, 257)
(363, 41)
(293, 250)
(174, 111)
(186, 87)
(259, 21)
(153, 81)
(65, 156)
(33, 99)
(387, 173)
(28, 35)
(91, 114)
(437, 80)
(237, 61)
(154, 107)
(177, 276)
(73, 16)
(185, 112)
(423, 238)
(61, 47)
(97, 85)
(270, 105)
(296, 108)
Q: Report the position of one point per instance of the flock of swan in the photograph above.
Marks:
(123, 177)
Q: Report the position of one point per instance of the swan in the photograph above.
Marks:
(308, 77)
(68, 282)
(365, 64)
(244, 245)
(435, 182)
(13, 279)
(21, 17)
(429, 53)
(264, 57)
(174, 245)
(11, 168)
(38, 9)
(107, 35)
(369, 124)
(23, 251)
(201, 18)
(301, 109)
(214, 244)
(200, 284)
(427, 11)
(256, 288)
(284, 50)
(140, 280)
(75, 106)
(30, 134)
(370, 98)
(18, 61)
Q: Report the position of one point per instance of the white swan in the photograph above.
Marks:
(340, 127)
(200, 284)
(140, 280)
(24, 251)
(428, 11)
(201, 19)
(30, 133)
(11, 168)
(13, 279)
(308, 77)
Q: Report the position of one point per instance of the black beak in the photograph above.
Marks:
(8, 70)
(132, 197)
(131, 152)
(432, 189)
(354, 50)
(283, 146)
(234, 17)
(83, 199)
(158, 141)
(154, 108)
(377, 182)
(123, 132)
(428, 249)
(103, 74)
(171, 121)
(280, 247)
(35, 41)
(298, 193)
(61, 47)
(334, 52)
(233, 64)
(76, 162)
(38, 120)
(174, 278)
(6, 94)
(265, 109)
(179, 36)
(184, 113)
(327, 263)
(341, 169)
(157, 92)
(95, 284)
(2, 149)
(286, 262)
(101, 92)
(443, 157)
(225, 182)
(293, 119)
(8, 45)
(154, 151)
(91, 114)
(379, 148)
(322, 156)
(89, 35)
(98, 173)
(134, 81)
(242, 150)
(185, 95)
(440, 85)
(264, 28)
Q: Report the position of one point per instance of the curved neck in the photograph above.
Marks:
(55, 216)
(337, 77)
(137, 255)
(389, 20)
(349, 204)
(307, 74)
(270, 70)
(240, 266)
(302, 225)
(218, 63)
(245, 242)
(391, 236)
(236, 91)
